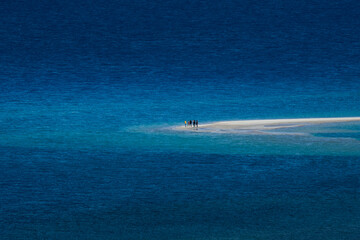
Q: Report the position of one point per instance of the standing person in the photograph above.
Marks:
(193, 123)
(190, 123)
(197, 123)
(185, 123)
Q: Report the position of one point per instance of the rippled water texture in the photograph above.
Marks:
(90, 93)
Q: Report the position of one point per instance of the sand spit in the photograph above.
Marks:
(259, 126)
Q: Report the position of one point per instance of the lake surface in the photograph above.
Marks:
(89, 93)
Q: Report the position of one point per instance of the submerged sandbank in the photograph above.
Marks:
(254, 126)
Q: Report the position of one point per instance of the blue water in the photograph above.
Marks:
(89, 92)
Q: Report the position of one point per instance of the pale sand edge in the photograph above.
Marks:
(266, 124)
(282, 121)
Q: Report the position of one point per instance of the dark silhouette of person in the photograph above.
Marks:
(197, 123)
(190, 122)
(193, 123)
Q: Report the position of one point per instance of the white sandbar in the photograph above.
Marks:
(261, 125)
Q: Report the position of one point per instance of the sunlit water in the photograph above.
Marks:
(89, 100)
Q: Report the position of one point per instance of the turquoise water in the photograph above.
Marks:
(104, 163)
(90, 92)
(116, 115)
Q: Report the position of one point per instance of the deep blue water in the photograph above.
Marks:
(89, 89)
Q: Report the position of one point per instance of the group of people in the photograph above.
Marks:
(192, 123)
